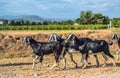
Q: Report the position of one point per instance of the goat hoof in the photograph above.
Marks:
(84, 67)
(114, 65)
(63, 68)
(104, 65)
(50, 68)
(89, 63)
(97, 66)
(76, 66)
(32, 68)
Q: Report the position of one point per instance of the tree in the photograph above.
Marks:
(21, 22)
(85, 17)
(90, 18)
(106, 20)
(33, 23)
(27, 22)
(17, 23)
(116, 22)
(47, 22)
(38, 23)
(68, 22)
(12, 22)
(56, 22)
(5, 22)
(77, 20)
(82, 17)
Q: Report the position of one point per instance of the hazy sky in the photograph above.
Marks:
(59, 8)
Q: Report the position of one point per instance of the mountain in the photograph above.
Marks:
(31, 18)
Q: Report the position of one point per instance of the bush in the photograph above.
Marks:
(53, 27)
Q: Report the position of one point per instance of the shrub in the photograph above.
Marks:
(53, 27)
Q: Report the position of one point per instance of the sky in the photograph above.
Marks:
(59, 8)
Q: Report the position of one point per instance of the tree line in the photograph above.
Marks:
(86, 18)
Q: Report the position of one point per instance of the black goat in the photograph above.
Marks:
(84, 47)
(117, 38)
(68, 49)
(44, 48)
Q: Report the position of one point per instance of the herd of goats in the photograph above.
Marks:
(59, 47)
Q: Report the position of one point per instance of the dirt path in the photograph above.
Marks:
(21, 68)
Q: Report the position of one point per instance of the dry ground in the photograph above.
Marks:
(21, 68)
(20, 65)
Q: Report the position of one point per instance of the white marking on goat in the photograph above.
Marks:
(36, 57)
(54, 65)
(117, 52)
(69, 36)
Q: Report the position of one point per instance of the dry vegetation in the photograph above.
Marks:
(16, 58)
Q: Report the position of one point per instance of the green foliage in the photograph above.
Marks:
(87, 20)
(116, 22)
(12, 22)
(87, 17)
(53, 27)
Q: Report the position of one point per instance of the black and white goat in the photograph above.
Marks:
(68, 49)
(84, 47)
(117, 38)
(44, 48)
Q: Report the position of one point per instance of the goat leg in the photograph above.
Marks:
(105, 57)
(117, 52)
(64, 63)
(41, 59)
(36, 57)
(54, 65)
(85, 56)
(71, 57)
(96, 60)
(85, 64)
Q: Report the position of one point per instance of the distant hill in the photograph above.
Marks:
(30, 18)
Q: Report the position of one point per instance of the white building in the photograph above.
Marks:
(1, 22)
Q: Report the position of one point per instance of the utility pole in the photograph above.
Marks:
(109, 26)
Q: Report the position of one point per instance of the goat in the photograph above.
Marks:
(95, 46)
(68, 49)
(44, 48)
(117, 38)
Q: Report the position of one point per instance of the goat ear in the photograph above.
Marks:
(28, 39)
